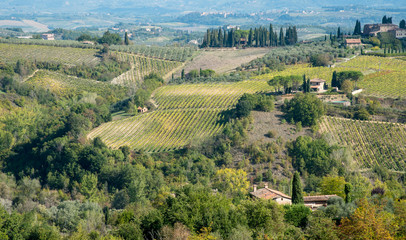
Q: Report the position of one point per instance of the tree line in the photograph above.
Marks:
(257, 37)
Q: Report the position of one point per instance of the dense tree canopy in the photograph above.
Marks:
(304, 108)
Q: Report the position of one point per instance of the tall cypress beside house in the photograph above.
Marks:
(334, 80)
(339, 32)
(297, 192)
(304, 85)
(402, 24)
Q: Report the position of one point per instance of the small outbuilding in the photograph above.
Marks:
(314, 202)
(142, 110)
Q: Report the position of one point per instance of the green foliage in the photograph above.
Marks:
(297, 215)
(289, 83)
(320, 60)
(312, 156)
(110, 38)
(320, 227)
(304, 108)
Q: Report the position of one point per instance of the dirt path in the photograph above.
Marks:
(30, 76)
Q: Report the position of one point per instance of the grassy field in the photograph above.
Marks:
(224, 60)
(63, 55)
(372, 143)
(185, 114)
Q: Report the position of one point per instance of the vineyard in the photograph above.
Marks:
(142, 66)
(180, 54)
(63, 55)
(185, 113)
(68, 86)
(373, 143)
(383, 77)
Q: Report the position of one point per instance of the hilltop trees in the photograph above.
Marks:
(386, 20)
(402, 24)
(258, 37)
(357, 29)
(110, 38)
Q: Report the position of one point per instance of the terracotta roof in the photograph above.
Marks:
(353, 41)
(317, 80)
(318, 198)
(267, 193)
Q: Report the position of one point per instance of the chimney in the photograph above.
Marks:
(266, 185)
(255, 187)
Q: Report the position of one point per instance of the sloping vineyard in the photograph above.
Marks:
(63, 55)
(373, 143)
(186, 113)
(67, 86)
(142, 66)
(179, 54)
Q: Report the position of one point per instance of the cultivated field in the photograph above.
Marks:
(63, 55)
(372, 143)
(68, 86)
(142, 66)
(224, 60)
(186, 113)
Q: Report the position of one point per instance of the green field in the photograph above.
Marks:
(185, 113)
(63, 55)
(372, 143)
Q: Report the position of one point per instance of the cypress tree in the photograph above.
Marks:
(384, 20)
(339, 32)
(304, 85)
(220, 39)
(357, 29)
(402, 24)
(294, 31)
(225, 38)
(389, 20)
(297, 193)
(347, 191)
(308, 85)
(271, 35)
(126, 40)
(182, 75)
(208, 39)
(250, 37)
(334, 79)
(281, 38)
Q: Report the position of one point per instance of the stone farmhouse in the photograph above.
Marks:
(352, 42)
(267, 193)
(313, 202)
(317, 85)
(373, 29)
(48, 36)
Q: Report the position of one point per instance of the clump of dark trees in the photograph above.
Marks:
(258, 37)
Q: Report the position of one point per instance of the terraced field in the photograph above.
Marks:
(372, 142)
(63, 55)
(142, 66)
(186, 113)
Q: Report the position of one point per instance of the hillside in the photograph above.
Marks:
(372, 143)
(185, 113)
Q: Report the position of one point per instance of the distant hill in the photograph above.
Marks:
(179, 5)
